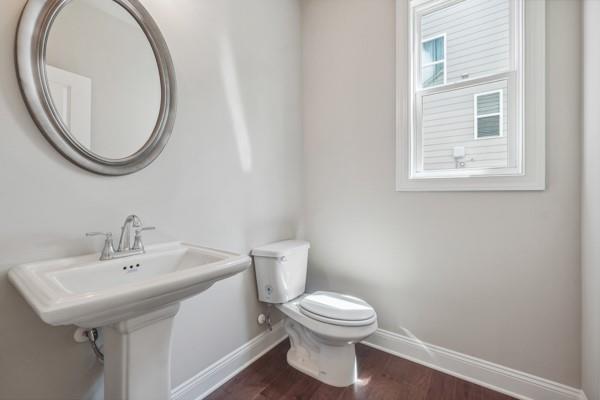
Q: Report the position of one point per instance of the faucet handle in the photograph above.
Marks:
(144, 228)
(108, 251)
(107, 234)
(137, 241)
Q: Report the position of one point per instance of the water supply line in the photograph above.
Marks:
(269, 324)
(92, 336)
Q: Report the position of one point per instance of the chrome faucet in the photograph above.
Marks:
(131, 221)
(125, 249)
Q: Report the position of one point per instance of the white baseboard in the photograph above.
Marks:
(208, 380)
(502, 379)
(496, 377)
(583, 396)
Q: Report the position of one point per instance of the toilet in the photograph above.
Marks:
(322, 326)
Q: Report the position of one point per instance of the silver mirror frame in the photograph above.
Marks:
(32, 36)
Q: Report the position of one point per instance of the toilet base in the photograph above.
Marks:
(331, 362)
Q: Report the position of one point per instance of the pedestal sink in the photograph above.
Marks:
(134, 299)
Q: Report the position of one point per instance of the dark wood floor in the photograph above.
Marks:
(381, 377)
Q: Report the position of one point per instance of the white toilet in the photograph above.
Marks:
(322, 326)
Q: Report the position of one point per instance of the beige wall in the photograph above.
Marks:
(494, 275)
(590, 211)
(230, 178)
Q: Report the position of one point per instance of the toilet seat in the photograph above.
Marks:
(332, 331)
(339, 322)
(337, 309)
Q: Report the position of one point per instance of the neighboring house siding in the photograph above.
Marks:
(478, 39)
(449, 121)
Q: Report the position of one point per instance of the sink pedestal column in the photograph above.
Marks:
(137, 357)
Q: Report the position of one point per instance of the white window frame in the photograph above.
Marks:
(529, 146)
(443, 61)
(499, 114)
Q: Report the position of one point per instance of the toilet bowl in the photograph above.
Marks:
(322, 326)
(323, 346)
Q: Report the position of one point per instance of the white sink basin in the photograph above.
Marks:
(134, 299)
(90, 293)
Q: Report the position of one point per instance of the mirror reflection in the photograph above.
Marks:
(103, 77)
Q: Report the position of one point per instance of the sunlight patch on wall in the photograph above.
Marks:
(234, 100)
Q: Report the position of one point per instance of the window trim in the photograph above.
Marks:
(499, 114)
(443, 61)
(533, 69)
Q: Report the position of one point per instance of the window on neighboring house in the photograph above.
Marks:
(488, 115)
(467, 82)
(433, 61)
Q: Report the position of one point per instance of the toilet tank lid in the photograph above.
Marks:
(280, 249)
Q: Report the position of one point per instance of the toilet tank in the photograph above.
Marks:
(281, 270)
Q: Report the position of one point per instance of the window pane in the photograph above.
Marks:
(488, 104)
(488, 126)
(477, 35)
(433, 50)
(448, 122)
(433, 75)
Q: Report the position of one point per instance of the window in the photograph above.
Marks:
(433, 62)
(468, 124)
(488, 115)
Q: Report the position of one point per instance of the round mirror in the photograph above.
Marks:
(103, 77)
(98, 79)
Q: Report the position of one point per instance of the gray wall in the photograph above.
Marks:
(494, 275)
(590, 211)
(230, 178)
